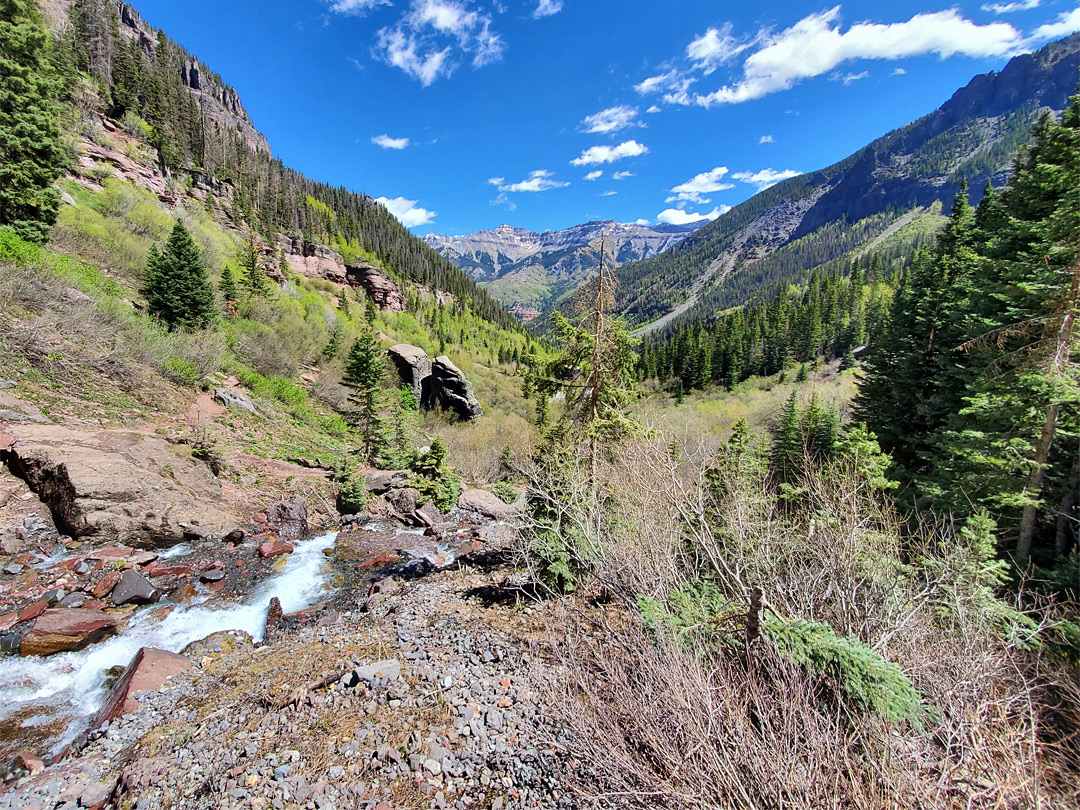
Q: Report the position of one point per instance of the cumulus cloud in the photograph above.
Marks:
(539, 180)
(765, 178)
(641, 221)
(595, 175)
(356, 6)
(766, 139)
(622, 175)
(596, 155)
(547, 8)
(386, 142)
(408, 212)
(898, 72)
(694, 189)
(653, 109)
(677, 216)
(433, 36)
(611, 120)
(714, 48)
(1064, 25)
(817, 45)
(1009, 8)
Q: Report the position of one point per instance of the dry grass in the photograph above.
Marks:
(670, 719)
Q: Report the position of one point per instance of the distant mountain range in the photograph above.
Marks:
(884, 196)
(529, 272)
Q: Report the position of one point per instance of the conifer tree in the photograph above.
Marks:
(255, 281)
(31, 153)
(175, 284)
(227, 285)
(364, 372)
(787, 447)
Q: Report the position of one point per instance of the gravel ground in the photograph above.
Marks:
(436, 702)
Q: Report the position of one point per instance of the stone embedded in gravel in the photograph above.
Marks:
(32, 611)
(147, 672)
(29, 762)
(212, 575)
(273, 548)
(94, 796)
(133, 588)
(13, 569)
(66, 629)
(106, 584)
(387, 670)
(81, 568)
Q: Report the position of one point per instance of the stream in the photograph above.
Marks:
(46, 702)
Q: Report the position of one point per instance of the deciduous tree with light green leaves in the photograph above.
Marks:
(31, 153)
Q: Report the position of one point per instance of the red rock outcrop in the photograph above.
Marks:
(147, 672)
(65, 630)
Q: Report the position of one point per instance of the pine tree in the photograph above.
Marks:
(364, 372)
(787, 447)
(175, 284)
(31, 152)
(227, 285)
(255, 280)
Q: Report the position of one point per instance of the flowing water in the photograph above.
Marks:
(45, 702)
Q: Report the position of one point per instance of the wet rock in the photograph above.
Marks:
(147, 672)
(234, 399)
(273, 548)
(13, 569)
(379, 482)
(34, 610)
(291, 517)
(105, 585)
(212, 575)
(273, 619)
(222, 641)
(134, 588)
(112, 484)
(66, 629)
(486, 504)
(29, 762)
(74, 600)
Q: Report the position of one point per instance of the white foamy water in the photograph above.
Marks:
(70, 685)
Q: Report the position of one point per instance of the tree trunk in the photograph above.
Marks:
(1035, 482)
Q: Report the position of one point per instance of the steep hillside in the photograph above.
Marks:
(530, 271)
(803, 222)
(119, 73)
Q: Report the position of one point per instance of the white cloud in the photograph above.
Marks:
(848, 78)
(611, 120)
(406, 211)
(816, 45)
(765, 178)
(672, 81)
(1064, 25)
(547, 8)
(677, 216)
(694, 189)
(653, 109)
(595, 175)
(641, 221)
(1009, 8)
(386, 142)
(766, 139)
(622, 175)
(431, 38)
(609, 193)
(714, 48)
(539, 180)
(899, 72)
(356, 6)
(596, 155)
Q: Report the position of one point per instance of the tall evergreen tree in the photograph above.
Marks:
(31, 152)
(175, 284)
(365, 369)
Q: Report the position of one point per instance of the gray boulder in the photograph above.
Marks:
(290, 517)
(379, 482)
(135, 589)
(233, 399)
(413, 366)
(452, 390)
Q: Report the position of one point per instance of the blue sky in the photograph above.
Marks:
(465, 114)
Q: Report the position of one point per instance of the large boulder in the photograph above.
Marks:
(117, 485)
(289, 516)
(413, 366)
(486, 504)
(234, 399)
(147, 672)
(66, 629)
(452, 390)
(133, 588)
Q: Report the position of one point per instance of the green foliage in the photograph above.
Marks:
(503, 491)
(352, 497)
(175, 285)
(182, 371)
(871, 682)
(434, 479)
(365, 369)
(227, 286)
(31, 152)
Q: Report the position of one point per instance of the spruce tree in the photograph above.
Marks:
(227, 285)
(31, 152)
(175, 284)
(364, 372)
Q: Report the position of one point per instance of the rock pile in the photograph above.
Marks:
(435, 384)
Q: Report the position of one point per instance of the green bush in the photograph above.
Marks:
(182, 371)
(504, 492)
(352, 497)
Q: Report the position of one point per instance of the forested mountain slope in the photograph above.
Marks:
(783, 232)
(194, 121)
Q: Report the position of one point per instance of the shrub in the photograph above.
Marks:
(182, 371)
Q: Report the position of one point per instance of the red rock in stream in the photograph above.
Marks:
(106, 584)
(33, 611)
(272, 548)
(65, 630)
(24, 759)
(111, 553)
(147, 672)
